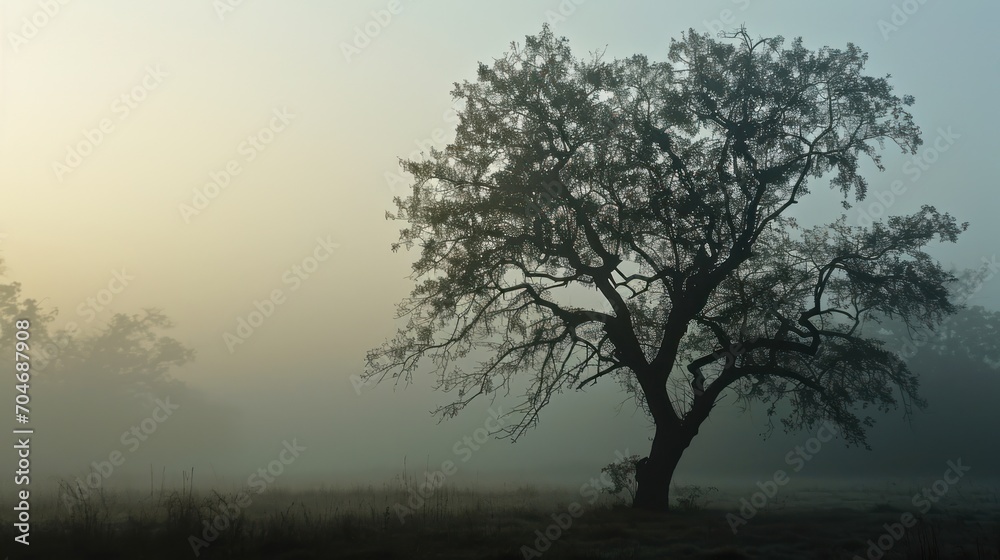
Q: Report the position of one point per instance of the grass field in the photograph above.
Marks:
(514, 523)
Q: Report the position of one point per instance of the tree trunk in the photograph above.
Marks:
(653, 474)
(673, 432)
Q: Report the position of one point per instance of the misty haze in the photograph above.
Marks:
(558, 279)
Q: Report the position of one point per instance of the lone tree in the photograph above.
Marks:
(664, 189)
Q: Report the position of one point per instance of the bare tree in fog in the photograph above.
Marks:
(630, 219)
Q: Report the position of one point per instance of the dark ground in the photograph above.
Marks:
(458, 524)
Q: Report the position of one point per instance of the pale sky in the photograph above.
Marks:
(198, 81)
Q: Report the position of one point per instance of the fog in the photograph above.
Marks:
(233, 153)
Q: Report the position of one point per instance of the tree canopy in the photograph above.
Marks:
(633, 219)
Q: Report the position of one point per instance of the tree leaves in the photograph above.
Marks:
(630, 217)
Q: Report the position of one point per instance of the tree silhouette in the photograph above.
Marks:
(129, 353)
(88, 385)
(632, 219)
